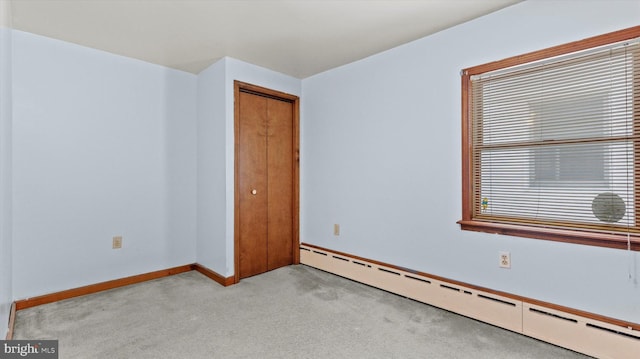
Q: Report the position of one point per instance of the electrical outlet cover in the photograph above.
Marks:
(505, 260)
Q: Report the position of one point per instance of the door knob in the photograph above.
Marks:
(254, 192)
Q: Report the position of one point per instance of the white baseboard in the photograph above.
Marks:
(599, 338)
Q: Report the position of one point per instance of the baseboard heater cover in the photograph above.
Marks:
(585, 335)
(579, 333)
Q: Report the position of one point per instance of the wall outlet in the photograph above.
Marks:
(505, 260)
(336, 229)
(117, 242)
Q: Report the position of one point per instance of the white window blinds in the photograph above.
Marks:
(556, 143)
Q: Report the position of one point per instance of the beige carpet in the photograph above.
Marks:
(292, 312)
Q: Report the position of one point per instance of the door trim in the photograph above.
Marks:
(261, 91)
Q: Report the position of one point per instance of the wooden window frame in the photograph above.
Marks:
(579, 236)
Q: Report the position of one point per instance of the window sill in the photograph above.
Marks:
(600, 239)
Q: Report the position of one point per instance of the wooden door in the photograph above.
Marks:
(266, 180)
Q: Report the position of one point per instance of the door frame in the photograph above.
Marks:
(295, 101)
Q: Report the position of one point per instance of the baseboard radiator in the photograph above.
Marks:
(598, 338)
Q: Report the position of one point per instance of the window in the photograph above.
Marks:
(551, 143)
(568, 165)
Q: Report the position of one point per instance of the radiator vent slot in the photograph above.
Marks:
(305, 249)
(342, 259)
(498, 300)
(322, 253)
(552, 315)
(613, 331)
(467, 292)
(452, 288)
(388, 271)
(418, 279)
(360, 264)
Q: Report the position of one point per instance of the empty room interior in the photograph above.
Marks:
(474, 156)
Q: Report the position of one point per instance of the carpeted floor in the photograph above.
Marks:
(291, 312)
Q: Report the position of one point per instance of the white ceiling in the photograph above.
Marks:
(296, 37)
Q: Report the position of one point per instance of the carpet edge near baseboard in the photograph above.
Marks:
(12, 322)
(117, 283)
(224, 281)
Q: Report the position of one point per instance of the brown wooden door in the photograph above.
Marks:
(265, 182)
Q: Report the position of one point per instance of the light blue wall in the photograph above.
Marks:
(103, 145)
(216, 154)
(6, 290)
(381, 157)
(212, 192)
